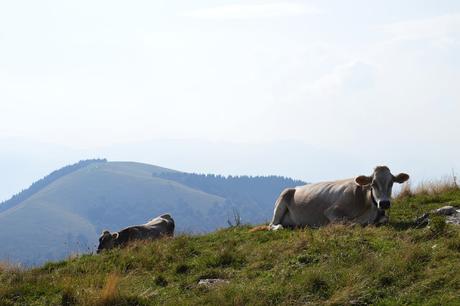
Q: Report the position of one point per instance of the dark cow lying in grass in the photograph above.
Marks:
(155, 228)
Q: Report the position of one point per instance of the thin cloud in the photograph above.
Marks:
(252, 11)
(349, 77)
(444, 29)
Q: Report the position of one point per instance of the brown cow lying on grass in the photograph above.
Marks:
(361, 200)
(154, 229)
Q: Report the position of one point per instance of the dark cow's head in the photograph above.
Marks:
(381, 183)
(107, 241)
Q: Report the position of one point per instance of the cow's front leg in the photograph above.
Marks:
(276, 227)
(337, 214)
(382, 220)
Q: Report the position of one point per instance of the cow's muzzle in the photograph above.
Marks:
(384, 204)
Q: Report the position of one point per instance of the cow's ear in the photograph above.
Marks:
(115, 235)
(105, 232)
(363, 180)
(401, 178)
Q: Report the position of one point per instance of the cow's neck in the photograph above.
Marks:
(373, 201)
(370, 211)
(369, 200)
(365, 196)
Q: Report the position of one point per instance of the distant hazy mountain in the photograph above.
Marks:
(65, 212)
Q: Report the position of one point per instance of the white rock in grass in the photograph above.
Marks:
(446, 211)
(454, 219)
(212, 281)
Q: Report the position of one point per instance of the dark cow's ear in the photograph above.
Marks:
(363, 180)
(105, 232)
(115, 235)
(401, 178)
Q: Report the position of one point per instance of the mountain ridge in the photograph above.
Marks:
(45, 181)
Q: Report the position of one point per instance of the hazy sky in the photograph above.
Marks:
(310, 89)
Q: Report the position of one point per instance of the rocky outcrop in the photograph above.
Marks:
(452, 215)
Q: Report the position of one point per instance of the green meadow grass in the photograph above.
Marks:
(396, 264)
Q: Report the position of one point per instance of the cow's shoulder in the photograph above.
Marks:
(359, 194)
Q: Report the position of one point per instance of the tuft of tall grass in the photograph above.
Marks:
(109, 293)
(429, 188)
(13, 273)
(406, 191)
(6, 266)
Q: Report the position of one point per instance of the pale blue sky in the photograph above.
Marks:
(310, 89)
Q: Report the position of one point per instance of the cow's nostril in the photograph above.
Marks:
(384, 204)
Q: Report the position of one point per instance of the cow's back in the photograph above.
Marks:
(155, 228)
(325, 192)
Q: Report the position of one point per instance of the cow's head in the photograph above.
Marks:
(381, 183)
(107, 241)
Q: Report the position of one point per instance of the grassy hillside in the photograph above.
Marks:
(68, 214)
(65, 212)
(336, 265)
